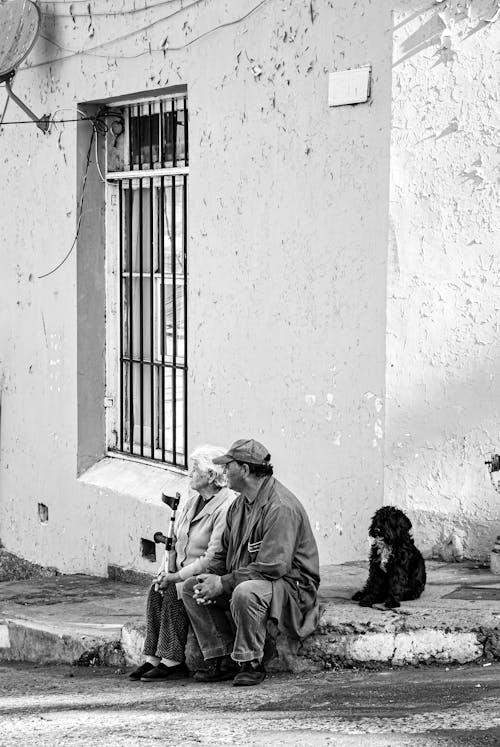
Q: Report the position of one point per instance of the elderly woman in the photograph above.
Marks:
(197, 538)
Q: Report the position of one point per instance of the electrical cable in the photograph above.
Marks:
(99, 126)
(164, 49)
(103, 180)
(80, 209)
(93, 13)
(222, 26)
(70, 109)
(86, 2)
(98, 120)
(4, 111)
(122, 37)
(52, 121)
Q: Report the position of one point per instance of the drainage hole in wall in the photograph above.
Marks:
(43, 513)
(148, 550)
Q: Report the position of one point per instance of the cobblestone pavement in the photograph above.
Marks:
(63, 705)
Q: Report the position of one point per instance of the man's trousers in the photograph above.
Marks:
(249, 607)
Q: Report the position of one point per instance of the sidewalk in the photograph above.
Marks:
(63, 618)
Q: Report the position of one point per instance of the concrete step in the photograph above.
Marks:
(97, 621)
(36, 641)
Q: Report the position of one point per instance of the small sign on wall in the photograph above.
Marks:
(349, 86)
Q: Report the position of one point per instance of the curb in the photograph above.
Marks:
(428, 646)
(36, 642)
(344, 650)
(113, 645)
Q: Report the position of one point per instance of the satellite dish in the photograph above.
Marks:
(19, 26)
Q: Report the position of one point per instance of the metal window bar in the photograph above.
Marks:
(120, 315)
(152, 218)
(184, 266)
(162, 318)
(151, 295)
(173, 258)
(174, 133)
(141, 320)
(186, 134)
(129, 310)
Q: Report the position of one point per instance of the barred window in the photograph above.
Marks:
(147, 178)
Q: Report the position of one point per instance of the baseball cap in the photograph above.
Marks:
(245, 450)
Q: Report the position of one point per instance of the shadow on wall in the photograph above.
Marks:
(451, 22)
(426, 36)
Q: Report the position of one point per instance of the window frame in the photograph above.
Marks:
(158, 180)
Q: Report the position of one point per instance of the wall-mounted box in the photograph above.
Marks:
(349, 86)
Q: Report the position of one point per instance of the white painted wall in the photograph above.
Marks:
(288, 240)
(443, 310)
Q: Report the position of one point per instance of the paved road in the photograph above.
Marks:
(431, 707)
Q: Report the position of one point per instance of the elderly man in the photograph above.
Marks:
(267, 569)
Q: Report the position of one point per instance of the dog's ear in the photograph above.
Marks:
(399, 524)
(394, 526)
(405, 522)
(372, 525)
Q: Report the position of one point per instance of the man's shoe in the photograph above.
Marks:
(161, 673)
(220, 669)
(141, 671)
(251, 673)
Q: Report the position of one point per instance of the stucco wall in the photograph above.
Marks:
(443, 348)
(288, 238)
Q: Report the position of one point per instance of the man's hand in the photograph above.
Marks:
(208, 587)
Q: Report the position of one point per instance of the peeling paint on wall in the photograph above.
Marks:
(288, 207)
(443, 347)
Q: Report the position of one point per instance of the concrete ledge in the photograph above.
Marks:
(98, 621)
(132, 643)
(140, 480)
(22, 640)
(129, 576)
(416, 647)
(338, 649)
(14, 568)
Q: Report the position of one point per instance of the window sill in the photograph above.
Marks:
(144, 482)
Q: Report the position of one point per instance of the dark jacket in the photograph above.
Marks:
(275, 543)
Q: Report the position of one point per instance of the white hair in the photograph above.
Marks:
(203, 457)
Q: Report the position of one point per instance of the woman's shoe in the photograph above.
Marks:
(161, 673)
(140, 671)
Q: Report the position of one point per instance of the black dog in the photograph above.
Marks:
(397, 568)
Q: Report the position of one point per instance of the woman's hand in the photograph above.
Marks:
(208, 587)
(164, 579)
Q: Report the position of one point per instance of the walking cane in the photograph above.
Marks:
(158, 537)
